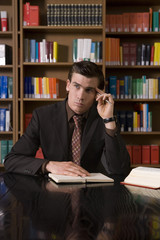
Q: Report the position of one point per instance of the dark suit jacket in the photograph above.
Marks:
(49, 129)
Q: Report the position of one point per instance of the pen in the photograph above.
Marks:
(105, 99)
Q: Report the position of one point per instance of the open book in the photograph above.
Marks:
(94, 177)
(144, 177)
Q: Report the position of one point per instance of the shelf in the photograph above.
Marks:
(42, 99)
(133, 34)
(132, 67)
(137, 100)
(57, 64)
(145, 165)
(6, 34)
(6, 66)
(141, 133)
(6, 133)
(6, 99)
(61, 29)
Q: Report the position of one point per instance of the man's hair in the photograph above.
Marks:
(89, 70)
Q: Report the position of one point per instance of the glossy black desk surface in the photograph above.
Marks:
(33, 208)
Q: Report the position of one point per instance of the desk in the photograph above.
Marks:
(32, 208)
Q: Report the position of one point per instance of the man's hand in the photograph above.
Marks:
(66, 168)
(105, 108)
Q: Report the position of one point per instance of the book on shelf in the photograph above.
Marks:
(74, 14)
(44, 51)
(5, 148)
(30, 15)
(4, 22)
(129, 22)
(146, 177)
(44, 87)
(154, 154)
(5, 54)
(94, 177)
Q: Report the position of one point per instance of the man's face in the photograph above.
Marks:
(81, 92)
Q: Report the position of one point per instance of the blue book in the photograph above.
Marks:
(2, 119)
(129, 121)
(93, 52)
(4, 87)
(33, 50)
(113, 86)
(126, 91)
(37, 58)
(30, 87)
(26, 90)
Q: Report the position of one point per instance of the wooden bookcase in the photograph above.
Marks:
(119, 7)
(9, 37)
(64, 35)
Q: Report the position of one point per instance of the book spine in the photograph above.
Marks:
(4, 27)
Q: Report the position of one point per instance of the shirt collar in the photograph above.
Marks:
(71, 113)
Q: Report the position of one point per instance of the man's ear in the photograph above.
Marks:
(68, 85)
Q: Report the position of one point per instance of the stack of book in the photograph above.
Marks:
(133, 22)
(74, 14)
(143, 154)
(87, 50)
(44, 87)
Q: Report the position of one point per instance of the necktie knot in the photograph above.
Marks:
(77, 120)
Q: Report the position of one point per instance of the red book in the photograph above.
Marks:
(146, 154)
(27, 119)
(28, 13)
(34, 16)
(133, 22)
(126, 22)
(139, 22)
(129, 149)
(107, 23)
(146, 22)
(119, 23)
(150, 19)
(154, 154)
(4, 21)
(39, 154)
(112, 22)
(136, 154)
(152, 56)
(125, 50)
(132, 54)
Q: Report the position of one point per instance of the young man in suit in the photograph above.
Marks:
(51, 127)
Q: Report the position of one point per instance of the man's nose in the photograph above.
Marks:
(81, 94)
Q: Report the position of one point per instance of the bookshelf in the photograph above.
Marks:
(119, 7)
(9, 38)
(64, 36)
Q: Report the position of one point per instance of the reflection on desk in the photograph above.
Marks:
(33, 208)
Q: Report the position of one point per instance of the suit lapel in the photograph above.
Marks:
(90, 127)
(60, 126)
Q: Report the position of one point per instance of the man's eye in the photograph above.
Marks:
(89, 90)
(76, 86)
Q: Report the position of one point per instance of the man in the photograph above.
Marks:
(52, 128)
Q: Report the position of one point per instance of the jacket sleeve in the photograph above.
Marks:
(115, 157)
(21, 158)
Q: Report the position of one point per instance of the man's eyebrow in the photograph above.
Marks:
(88, 88)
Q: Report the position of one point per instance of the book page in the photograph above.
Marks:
(98, 177)
(66, 179)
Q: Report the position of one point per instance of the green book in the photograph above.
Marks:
(4, 150)
(155, 22)
(10, 145)
(74, 50)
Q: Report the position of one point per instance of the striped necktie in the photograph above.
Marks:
(76, 139)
